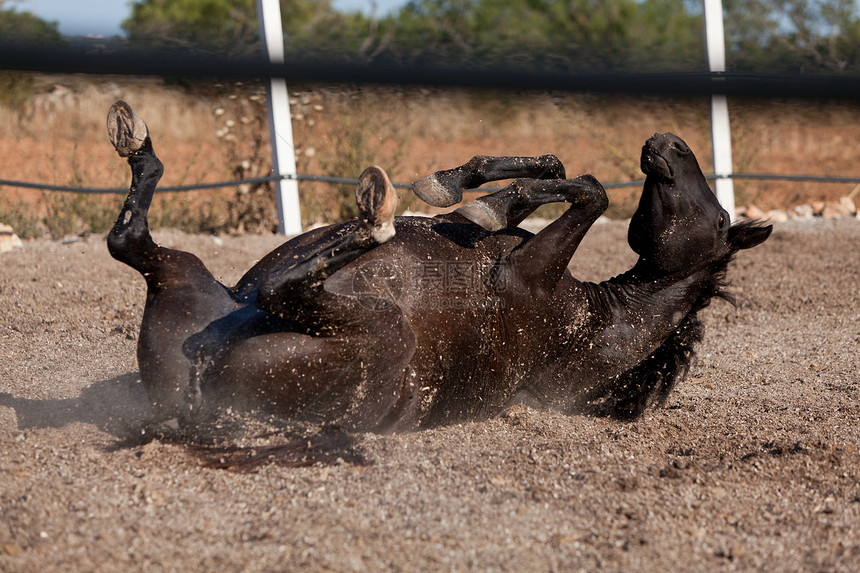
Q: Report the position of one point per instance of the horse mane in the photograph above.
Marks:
(626, 396)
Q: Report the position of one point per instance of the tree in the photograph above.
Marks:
(619, 34)
(232, 25)
(23, 27)
(16, 88)
(568, 35)
(819, 36)
(207, 24)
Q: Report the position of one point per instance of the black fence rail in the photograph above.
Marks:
(500, 74)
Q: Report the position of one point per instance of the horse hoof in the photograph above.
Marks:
(484, 216)
(432, 191)
(125, 129)
(377, 201)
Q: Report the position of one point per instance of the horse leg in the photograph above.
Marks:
(348, 366)
(129, 241)
(445, 188)
(290, 287)
(509, 206)
(346, 355)
(182, 295)
(541, 261)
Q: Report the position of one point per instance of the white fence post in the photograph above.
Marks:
(280, 122)
(721, 135)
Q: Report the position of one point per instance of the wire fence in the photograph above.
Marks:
(354, 181)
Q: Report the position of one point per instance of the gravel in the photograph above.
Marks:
(753, 463)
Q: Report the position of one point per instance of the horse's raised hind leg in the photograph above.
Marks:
(292, 288)
(129, 241)
(346, 355)
(182, 295)
(445, 188)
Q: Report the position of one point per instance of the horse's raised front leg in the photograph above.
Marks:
(509, 206)
(540, 262)
(182, 295)
(445, 188)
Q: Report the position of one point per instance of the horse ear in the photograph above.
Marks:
(748, 234)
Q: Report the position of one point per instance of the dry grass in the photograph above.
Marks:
(212, 133)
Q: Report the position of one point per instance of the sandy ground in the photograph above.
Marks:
(752, 465)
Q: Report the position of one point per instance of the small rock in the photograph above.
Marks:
(818, 207)
(777, 216)
(8, 239)
(804, 211)
(826, 506)
(753, 212)
(834, 210)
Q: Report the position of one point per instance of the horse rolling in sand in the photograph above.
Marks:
(389, 323)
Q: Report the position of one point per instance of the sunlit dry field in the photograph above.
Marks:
(217, 132)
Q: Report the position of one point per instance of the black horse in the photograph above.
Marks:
(386, 323)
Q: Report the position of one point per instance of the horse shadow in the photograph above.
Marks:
(118, 406)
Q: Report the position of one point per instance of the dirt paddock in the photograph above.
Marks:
(752, 465)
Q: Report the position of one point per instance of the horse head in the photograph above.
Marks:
(679, 224)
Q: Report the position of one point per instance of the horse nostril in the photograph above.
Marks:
(680, 147)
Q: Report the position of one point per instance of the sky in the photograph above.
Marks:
(104, 17)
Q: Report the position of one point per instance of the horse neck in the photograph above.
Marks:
(636, 311)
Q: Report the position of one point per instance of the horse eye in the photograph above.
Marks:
(722, 222)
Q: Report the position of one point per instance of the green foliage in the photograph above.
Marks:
(21, 217)
(357, 145)
(620, 34)
(16, 88)
(77, 214)
(24, 28)
(225, 25)
(616, 33)
(640, 35)
(232, 25)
